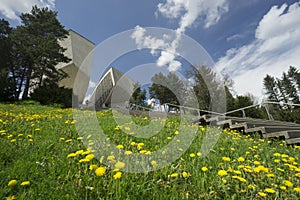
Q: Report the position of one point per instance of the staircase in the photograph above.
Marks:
(288, 131)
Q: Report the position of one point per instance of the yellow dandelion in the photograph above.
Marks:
(269, 190)
(270, 175)
(283, 188)
(120, 146)
(256, 162)
(128, 152)
(100, 171)
(279, 169)
(297, 189)
(222, 173)
(132, 143)
(204, 169)
(288, 183)
(192, 155)
(118, 175)
(226, 159)
(10, 198)
(237, 172)
(185, 174)
(199, 154)
(93, 167)
(262, 194)
(174, 175)
(224, 181)
(241, 159)
(277, 154)
(154, 163)
(84, 160)
(251, 187)
(24, 183)
(71, 155)
(119, 165)
(90, 157)
(12, 182)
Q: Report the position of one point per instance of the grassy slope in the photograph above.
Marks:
(36, 140)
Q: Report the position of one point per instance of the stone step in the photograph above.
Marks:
(270, 129)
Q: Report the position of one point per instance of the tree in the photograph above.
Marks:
(7, 87)
(209, 89)
(139, 96)
(284, 90)
(168, 89)
(50, 93)
(36, 49)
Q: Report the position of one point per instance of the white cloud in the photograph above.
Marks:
(92, 84)
(275, 48)
(13, 8)
(187, 11)
(165, 44)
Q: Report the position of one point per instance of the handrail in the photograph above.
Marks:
(264, 104)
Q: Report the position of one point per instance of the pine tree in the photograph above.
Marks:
(7, 86)
(36, 49)
(139, 96)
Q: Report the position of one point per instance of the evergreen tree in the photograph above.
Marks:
(7, 87)
(168, 89)
(139, 96)
(36, 49)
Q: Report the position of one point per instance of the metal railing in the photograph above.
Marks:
(185, 109)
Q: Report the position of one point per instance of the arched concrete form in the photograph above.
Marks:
(77, 49)
(114, 88)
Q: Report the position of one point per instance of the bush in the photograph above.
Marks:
(52, 94)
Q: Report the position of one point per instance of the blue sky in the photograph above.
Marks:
(246, 39)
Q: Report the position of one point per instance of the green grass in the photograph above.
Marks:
(36, 141)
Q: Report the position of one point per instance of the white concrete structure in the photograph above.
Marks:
(113, 89)
(77, 49)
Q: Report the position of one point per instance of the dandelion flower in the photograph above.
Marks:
(241, 159)
(118, 175)
(270, 175)
(226, 159)
(90, 157)
(269, 190)
(11, 198)
(119, 165)
(288, 183)
(128, 152)
(154, 163)
(262, 194)
(199, 154)
(72, 155)
(100, 171)
(204, 169)
(120, 146)
(12, 182)
(283, 188)
(93, 167)
(297, 189)
(256, 162)
(185, 174)
(222, 173)
(224, 181)
(25, 183)
(174, 175)
(192, 155)
(251, 187)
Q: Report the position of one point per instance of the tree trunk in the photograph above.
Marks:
(27, 84)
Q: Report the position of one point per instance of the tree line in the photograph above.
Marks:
(205, 85)
(28, 56)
